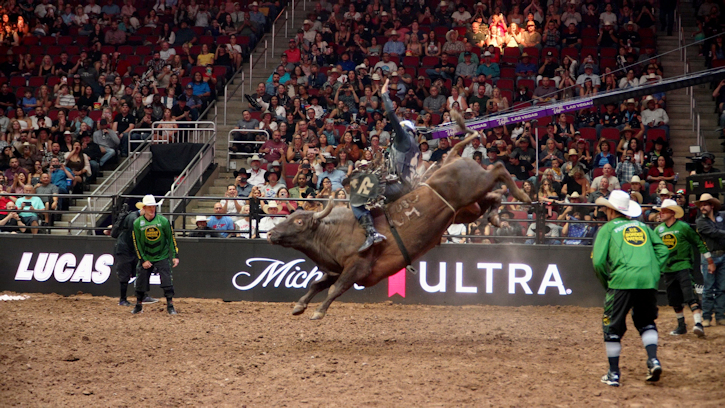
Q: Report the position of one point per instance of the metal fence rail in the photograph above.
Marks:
(254, 145)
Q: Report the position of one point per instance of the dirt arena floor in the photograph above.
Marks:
(87, 351)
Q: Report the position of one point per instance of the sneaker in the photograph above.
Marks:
(124, 302)
(148, 300)
(170, 310)
(611, 378)
(679, 330)
(137, 309)
(654, 370)
(699, 331)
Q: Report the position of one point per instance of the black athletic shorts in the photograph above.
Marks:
(618, 302)
(163, 268)
(680, 288)
(125, 267)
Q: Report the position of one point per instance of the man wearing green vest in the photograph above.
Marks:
(627, 258)
(156, 249)
(680, 239)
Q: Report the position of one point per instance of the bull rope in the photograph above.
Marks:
(441, 197)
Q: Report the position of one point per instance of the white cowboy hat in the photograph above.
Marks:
(708, 198)
(271, 204)
(200, 218)
(253, 158)
(666, 192)
(149, 201)
(574, 195)
(636, 179)
(275, 164)
(671, 205)
(620, 201)
(376, 77)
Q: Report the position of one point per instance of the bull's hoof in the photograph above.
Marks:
(298, 310)
(317, 316)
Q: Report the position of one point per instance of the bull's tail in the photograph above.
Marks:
(456, 151)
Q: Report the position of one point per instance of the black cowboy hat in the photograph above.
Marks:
(547, 228)
(242, 172)
(267, 173)
(507, 212)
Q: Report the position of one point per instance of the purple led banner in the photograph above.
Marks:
(502, 120)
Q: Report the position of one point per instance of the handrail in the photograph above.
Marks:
(253, 63)
(274, 26)
(227, 95)
(231, 142)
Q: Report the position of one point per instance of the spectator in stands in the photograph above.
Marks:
(628, 167)
(33, 206)
(520, 170)
(530, 38)
(655, 117)
(604, 156)
(435, 102)
(545, 92)
(609, 119)
(13, 169)
(7, 98)
(661, 172)
(107, 139)
(115, 36)
(550, 153)
(607, 173)
(270, 221)
(221, 222)
(525, 69)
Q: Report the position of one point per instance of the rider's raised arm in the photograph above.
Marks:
(401, 140)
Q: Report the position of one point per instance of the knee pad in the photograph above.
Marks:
(648, 327)
(612, 338)
(694, 306)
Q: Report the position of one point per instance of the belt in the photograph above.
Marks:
(719, 252)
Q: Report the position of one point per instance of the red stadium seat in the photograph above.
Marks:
(508, 73)
(143, 50)
(571, 52)
(53, 81)
(505, 84)
(532, 51)
(125, 50)
(17, 81)
(430, 62)
(47, 41)
(72, 115)
(608, 52)
(36, 50)
(597, 172)
(95, 115)
(73, 50)
(511, 52)
(588, 133)
(54, 50)
(30, 40)
(653, 134)
(53, 114)
(410, 62)
(610, 134)
(108, 49)
(590, 50)
(554, 52)
(528, 83)
(36, 82)
(65, 41)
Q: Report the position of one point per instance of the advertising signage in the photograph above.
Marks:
(511, 275)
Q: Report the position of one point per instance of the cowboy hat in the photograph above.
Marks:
(708, 198)
(620, 201)
(547, 229)
(268, 172)
(449, 33)
(271, 204)
(253, 159)
(139, 205)
(201, 218)
(637, 196)
(275, 164)
(242, 172)
(666, 192)
(631, 100)
(573, 152)
(636, 179)
(574, 195)
(376, 77)
(506, 211)
(627, 128)
(149, 201)
(671, 205)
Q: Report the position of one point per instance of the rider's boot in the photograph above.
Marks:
(372, 235)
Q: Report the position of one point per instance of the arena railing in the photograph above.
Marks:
(535, 213)
(231, 155)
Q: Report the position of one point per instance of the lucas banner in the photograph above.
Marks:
(228, 269)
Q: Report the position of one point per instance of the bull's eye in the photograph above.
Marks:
(298, 222)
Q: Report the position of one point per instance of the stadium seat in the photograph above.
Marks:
(36, 82)
(65, 40)
(571, 52)
(429, 62)
(507, 84)
(54, 50)
(411, 62)
(46, 41)
(610, 134)
(597, 172)
(17, 81)
(608, 52)
(654, 134)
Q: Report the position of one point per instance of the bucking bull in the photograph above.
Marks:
(459, 191)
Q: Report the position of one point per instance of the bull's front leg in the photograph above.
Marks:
(351, 274)
(500, 173)
(318, 286)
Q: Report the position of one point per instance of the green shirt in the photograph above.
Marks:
(628, 255)
(154, 240)
(680, 239)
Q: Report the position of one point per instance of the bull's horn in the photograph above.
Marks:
(324, 213)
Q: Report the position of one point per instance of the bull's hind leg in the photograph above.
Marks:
(316, 287)
(500, 173)
(349, 276)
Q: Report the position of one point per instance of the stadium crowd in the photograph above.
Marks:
(320, 109)
(76, 79)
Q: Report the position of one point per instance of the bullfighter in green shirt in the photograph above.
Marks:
(155, 246)
(627, 258)
(680, 239)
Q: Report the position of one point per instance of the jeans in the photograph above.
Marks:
(435, 75)
(107, 156)
(713, 294)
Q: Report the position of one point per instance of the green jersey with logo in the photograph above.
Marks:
(628, 255)
(680, 239)
(154, 240)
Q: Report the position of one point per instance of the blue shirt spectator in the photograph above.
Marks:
(394, 47)
(111, 9)
(336, 176)
(200, 88)
(221, 223)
